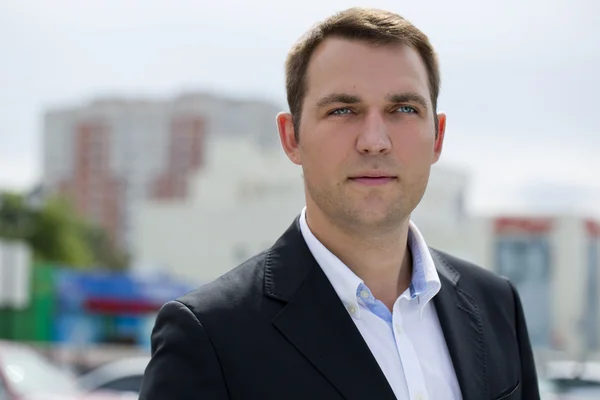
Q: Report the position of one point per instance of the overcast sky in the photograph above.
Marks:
(520, 78)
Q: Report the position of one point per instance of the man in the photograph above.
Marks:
(350, 303)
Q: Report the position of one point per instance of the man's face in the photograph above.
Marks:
(367, 133)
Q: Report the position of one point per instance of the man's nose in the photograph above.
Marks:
(373, 138)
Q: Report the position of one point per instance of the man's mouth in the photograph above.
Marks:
(373, 179)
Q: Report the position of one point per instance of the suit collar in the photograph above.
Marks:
(288, 264)
(443, 267)
(345, 282)
(315, 321)
(461, 322)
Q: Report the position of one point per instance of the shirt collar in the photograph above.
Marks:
(425, 282)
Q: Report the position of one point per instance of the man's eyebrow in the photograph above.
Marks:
(344, 98)
(410, 97)
(338, 98)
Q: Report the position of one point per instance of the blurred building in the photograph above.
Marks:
(108, 155)
(244, 200)
(442, 215)
(554, 263)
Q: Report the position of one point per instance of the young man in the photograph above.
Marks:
(350, 303)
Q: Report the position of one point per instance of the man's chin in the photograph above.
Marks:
(372, 218)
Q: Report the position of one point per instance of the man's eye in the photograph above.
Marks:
(407, 109)
(341, 111)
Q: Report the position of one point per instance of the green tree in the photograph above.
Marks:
(56, 234)
(104, 251)
(15, 218)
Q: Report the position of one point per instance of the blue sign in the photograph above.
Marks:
(74, 288)
(77, 328)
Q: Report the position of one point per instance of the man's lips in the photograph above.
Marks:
(373, 180)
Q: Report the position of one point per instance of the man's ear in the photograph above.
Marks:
(287, 137)
(439, 139)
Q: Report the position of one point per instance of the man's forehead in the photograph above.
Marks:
(360, 69)
(337, 51)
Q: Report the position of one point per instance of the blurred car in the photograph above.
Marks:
(27, 375)
(122, 375)
(572, 380)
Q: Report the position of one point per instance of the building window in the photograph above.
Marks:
(526, 261)
(591, 319)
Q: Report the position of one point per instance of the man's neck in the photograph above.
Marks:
(383, 261)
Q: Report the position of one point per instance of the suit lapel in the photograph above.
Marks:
(462, 326)
(315, 321)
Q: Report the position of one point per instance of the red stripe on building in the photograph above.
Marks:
(592, 228)
(517, 225)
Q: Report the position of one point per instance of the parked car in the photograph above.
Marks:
(26, 375)
(572, 380)
(122, 375)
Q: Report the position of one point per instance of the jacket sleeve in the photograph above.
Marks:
(529, 377)
(184, 364)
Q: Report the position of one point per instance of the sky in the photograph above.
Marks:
(520, 78)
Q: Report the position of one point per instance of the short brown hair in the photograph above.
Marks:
(374, 26)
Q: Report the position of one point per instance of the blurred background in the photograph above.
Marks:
(139, 159)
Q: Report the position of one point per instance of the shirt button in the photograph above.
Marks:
(352, 309)
(419, 397)
(364, 294)
(399, 332)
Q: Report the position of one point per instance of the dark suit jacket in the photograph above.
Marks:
(274, 328)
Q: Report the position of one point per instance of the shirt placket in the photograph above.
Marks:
(415, 381)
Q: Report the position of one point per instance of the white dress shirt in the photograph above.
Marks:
(408, 343)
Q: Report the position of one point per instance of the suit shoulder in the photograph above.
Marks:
(241, 285)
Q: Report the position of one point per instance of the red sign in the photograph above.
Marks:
(116, 306)
(523, 225)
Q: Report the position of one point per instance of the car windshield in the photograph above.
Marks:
(29, 373)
